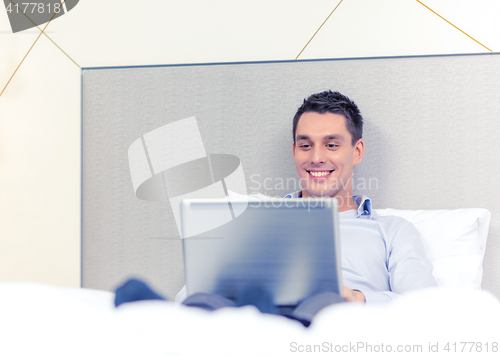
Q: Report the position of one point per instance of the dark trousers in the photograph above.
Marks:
(134, 290)
(303, 312)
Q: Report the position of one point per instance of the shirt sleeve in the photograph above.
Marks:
(379, 297)
(408, 266)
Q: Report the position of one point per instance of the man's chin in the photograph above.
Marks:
(320, 194)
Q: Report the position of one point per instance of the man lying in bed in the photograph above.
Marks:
(327, 144)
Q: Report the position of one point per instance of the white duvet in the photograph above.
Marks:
(45, 320)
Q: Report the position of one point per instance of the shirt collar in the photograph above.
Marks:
(363, 203)
(364, 206)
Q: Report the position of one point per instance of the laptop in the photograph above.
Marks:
(287, 247)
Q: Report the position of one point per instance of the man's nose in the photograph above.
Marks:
(318, 155)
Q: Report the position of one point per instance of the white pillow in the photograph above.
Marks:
(454, 240)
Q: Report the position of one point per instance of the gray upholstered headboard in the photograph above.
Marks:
(431, 126)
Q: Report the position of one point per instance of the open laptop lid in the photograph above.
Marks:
(288, 247)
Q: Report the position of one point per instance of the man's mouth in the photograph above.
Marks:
(319, 174)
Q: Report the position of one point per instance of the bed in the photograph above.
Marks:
(454, 318)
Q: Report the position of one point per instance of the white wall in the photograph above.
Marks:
(40, 109)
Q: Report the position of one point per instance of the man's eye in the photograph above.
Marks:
(305, 146)
(331, 145)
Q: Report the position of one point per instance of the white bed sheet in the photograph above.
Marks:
(39, 319)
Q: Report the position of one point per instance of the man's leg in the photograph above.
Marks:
(309, 307)
(249, 295)
(134, 290)
(208, 301)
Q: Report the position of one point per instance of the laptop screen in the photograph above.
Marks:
(287, 247)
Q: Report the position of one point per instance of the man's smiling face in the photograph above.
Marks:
(325, 156)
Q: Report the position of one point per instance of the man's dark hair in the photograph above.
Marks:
(335, 103)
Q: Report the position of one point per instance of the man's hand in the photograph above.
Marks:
(352, 295)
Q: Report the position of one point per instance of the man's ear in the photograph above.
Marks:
(359, 151)
(293, 149)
